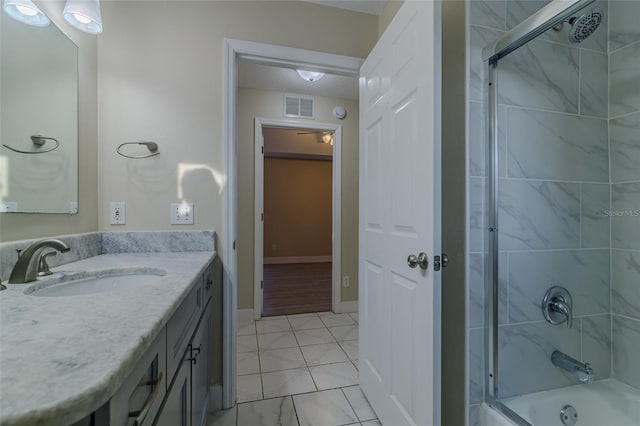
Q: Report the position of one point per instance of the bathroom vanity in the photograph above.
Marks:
(137, 354)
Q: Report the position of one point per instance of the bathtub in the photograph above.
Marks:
(602, 403)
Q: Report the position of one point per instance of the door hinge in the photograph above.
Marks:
(234, 244)
(262, 217)
(262, 149)
(261, 284)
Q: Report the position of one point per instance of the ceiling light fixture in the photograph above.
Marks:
(84, 15)
(310, 76)
(26, 12)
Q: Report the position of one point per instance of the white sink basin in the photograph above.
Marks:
(95, 282)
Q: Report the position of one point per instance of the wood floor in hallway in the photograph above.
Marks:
(296, 288)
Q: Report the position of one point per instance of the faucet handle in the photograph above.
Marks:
(43, 266)
(557, 306)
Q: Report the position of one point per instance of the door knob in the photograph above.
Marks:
(422, 260)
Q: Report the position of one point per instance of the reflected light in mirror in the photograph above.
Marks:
(84, 15)
(26, 12)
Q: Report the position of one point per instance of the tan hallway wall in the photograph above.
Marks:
(297, 208)
(268, 104)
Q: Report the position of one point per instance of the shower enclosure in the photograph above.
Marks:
(554, 138)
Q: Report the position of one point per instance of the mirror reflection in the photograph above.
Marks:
(39, 119)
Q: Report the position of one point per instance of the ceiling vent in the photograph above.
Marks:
(299, 106)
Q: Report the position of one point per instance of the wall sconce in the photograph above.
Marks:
(84, 15)
(26, 12)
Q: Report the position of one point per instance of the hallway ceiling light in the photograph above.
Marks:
(84, 15)
(26, 12)
(310, 75)
(327, 138)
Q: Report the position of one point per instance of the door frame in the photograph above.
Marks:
(266, 54)
(336, 205)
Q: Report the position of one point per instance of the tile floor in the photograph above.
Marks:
(299, 370)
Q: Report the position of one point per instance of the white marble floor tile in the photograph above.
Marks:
(223, 418)
(323, 354)
(359, 403)
(276, 341)
(269, 412)
(281, 359)
(327, 408)
(247, 343)
(272, 326)
(354, 316)
(337, 375)
(344, 333)
(287, 382)
(314, 337)
(335, 320)
(249, 388)
(247, 330)
(248, 363)
(351, 349)
(306, 323)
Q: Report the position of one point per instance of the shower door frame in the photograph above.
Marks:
(554, 13)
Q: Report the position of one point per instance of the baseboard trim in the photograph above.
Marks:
(215, 398)
(245, 317)
(349, 307)
(297, 259)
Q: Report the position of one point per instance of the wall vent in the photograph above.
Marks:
(299, 106)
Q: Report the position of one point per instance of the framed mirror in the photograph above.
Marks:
(38, 119)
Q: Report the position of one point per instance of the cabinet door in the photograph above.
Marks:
(177, 406)
(200, 369)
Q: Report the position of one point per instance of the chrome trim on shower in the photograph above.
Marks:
(556, 12)
(492, 258)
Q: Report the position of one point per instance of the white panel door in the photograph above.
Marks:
(399, 216)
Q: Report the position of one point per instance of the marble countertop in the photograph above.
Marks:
(62, 358)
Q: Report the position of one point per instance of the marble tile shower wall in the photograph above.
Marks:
(624, 135)
(555, 194)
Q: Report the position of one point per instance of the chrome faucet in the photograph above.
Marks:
(26, 268)
(580, 370)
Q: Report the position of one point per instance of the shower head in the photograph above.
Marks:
(584, 25)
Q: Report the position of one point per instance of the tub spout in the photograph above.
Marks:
(580, 370)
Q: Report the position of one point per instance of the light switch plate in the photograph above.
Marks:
(181, 214)
(117, 213)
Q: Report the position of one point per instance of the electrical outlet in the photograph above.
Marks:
(345, 281)
(8, 207)
(181, 214)
(117, 213)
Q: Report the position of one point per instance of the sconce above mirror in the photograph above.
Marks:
(39, 116)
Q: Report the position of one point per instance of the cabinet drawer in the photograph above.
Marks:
(181, 326)
(140, 397)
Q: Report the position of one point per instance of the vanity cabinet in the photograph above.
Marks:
(188, 355)
(169, 385)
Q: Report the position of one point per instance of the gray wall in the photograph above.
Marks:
(624, 134)
(569, 120)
